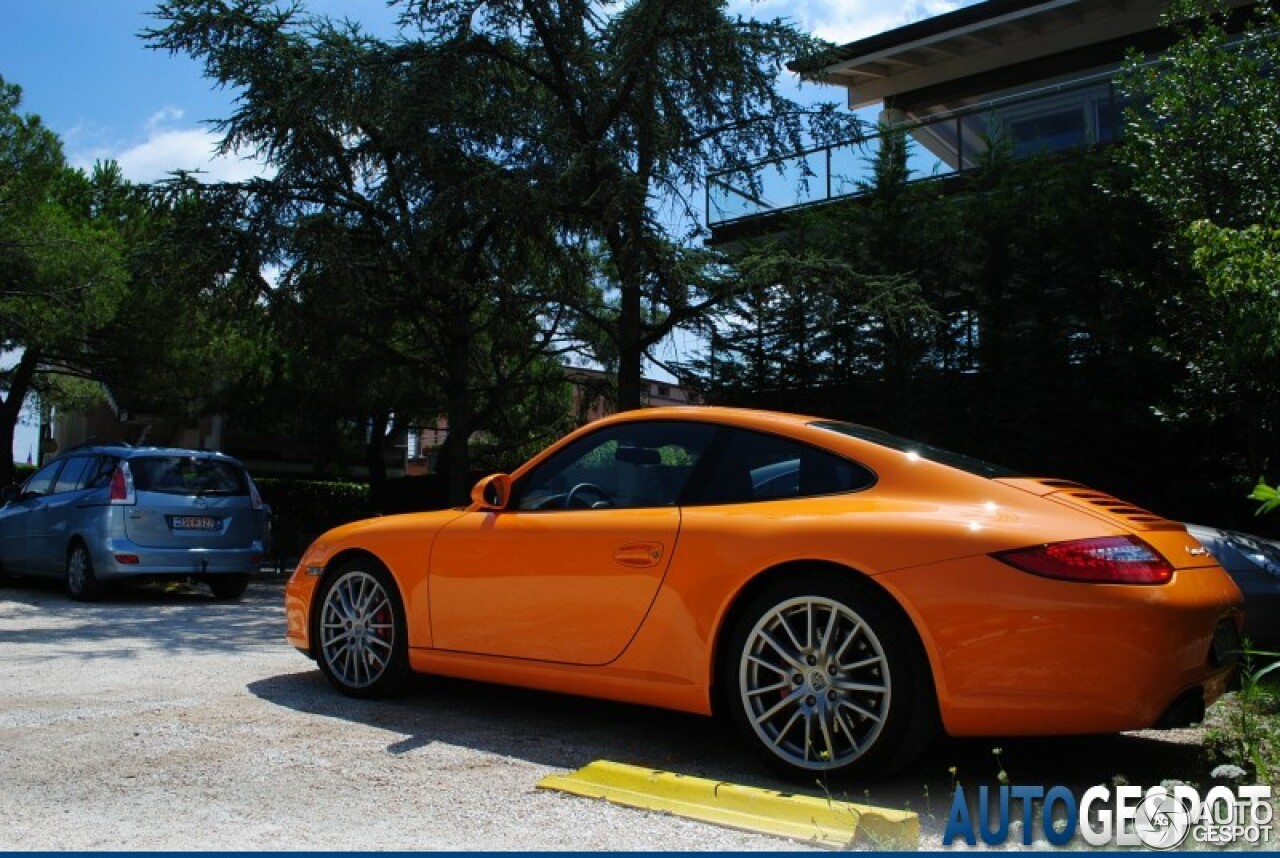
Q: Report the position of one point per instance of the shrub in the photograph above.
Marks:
(301, 510)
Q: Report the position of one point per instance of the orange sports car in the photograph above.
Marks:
(838, 593)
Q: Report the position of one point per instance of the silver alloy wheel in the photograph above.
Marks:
(77, 570)
(357, 629)
(814, 683)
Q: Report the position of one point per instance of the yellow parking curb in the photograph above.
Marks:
(799, 817)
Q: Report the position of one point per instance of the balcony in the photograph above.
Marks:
(1050, 119)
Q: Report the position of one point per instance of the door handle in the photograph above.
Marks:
(639, 555)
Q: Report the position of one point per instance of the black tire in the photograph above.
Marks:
(227, 588)
(821, 676)
(82, 584)
(359, 633)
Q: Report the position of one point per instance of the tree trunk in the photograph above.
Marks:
(630, 319)
(376, 461)
(11, 408)
(630, 351)
(455, 454)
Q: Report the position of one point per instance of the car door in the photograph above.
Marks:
(568, 571)
(15, 518)
(50, 521)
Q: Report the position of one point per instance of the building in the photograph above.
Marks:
(1033, 76)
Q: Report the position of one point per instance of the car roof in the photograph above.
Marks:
(126, 452)
(713, 414)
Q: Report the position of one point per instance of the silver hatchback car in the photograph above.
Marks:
(103, 513)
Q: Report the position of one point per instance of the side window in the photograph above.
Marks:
(98, 476)
(72, 474)
(755, 467)
(41, 482)
(627, 465)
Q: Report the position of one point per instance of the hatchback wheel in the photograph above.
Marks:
(821, 677)
(82, 584)
(360, 631)
(228, 587)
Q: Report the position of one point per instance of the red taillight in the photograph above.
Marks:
(121, 491)
(255, 497)
(1104, 560)
(128, 559)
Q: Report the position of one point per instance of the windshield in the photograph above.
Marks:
(187, 475)
(968, 464)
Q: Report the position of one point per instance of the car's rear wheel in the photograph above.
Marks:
(360, 631)
(821, 677)
(228, 587)
(82, 584)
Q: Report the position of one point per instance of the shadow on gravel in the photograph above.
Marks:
(567, 732)
(134, 619)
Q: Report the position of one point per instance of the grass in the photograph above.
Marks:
(1243, 728)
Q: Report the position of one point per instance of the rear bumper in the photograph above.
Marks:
(1013, 654)
(175, 561)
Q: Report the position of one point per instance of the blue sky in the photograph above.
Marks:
(84, 70)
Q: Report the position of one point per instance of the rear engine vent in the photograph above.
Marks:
(1113, 505)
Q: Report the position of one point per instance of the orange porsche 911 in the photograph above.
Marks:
(838, 593)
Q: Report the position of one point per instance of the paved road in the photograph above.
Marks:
(160, 719)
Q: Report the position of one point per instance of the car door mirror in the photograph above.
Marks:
(492, 493)
(9, 494)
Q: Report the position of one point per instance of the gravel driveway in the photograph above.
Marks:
(160, 719)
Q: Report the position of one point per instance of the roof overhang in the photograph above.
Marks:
(976, 39)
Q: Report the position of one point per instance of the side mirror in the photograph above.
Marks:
(492, 493)
(9, 494)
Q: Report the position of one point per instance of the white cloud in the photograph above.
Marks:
(165, 146)
(190, 149)
(843, 21)
(160, 117)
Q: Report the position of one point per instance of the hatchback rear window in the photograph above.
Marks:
(187, 475)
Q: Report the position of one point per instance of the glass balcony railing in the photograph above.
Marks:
(1052, 119)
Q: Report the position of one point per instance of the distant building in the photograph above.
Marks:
(1034, 76)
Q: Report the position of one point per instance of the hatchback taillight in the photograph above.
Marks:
(1103, 560)
(255, 496)
(121, 491)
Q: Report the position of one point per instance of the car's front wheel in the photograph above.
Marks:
(360, 631)
(82, 584)
(821, 677)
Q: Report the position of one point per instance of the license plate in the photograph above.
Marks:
(195, 522)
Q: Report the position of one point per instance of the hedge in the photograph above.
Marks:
(301, 510)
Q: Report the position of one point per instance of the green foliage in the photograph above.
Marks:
(1267, 497)
(61, 272)
(1204, 151)
(621, 105)
(1024, 270)
(69, 394)
(301, 510)
(1245, 728)
(420, 266)
(1200, 133)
